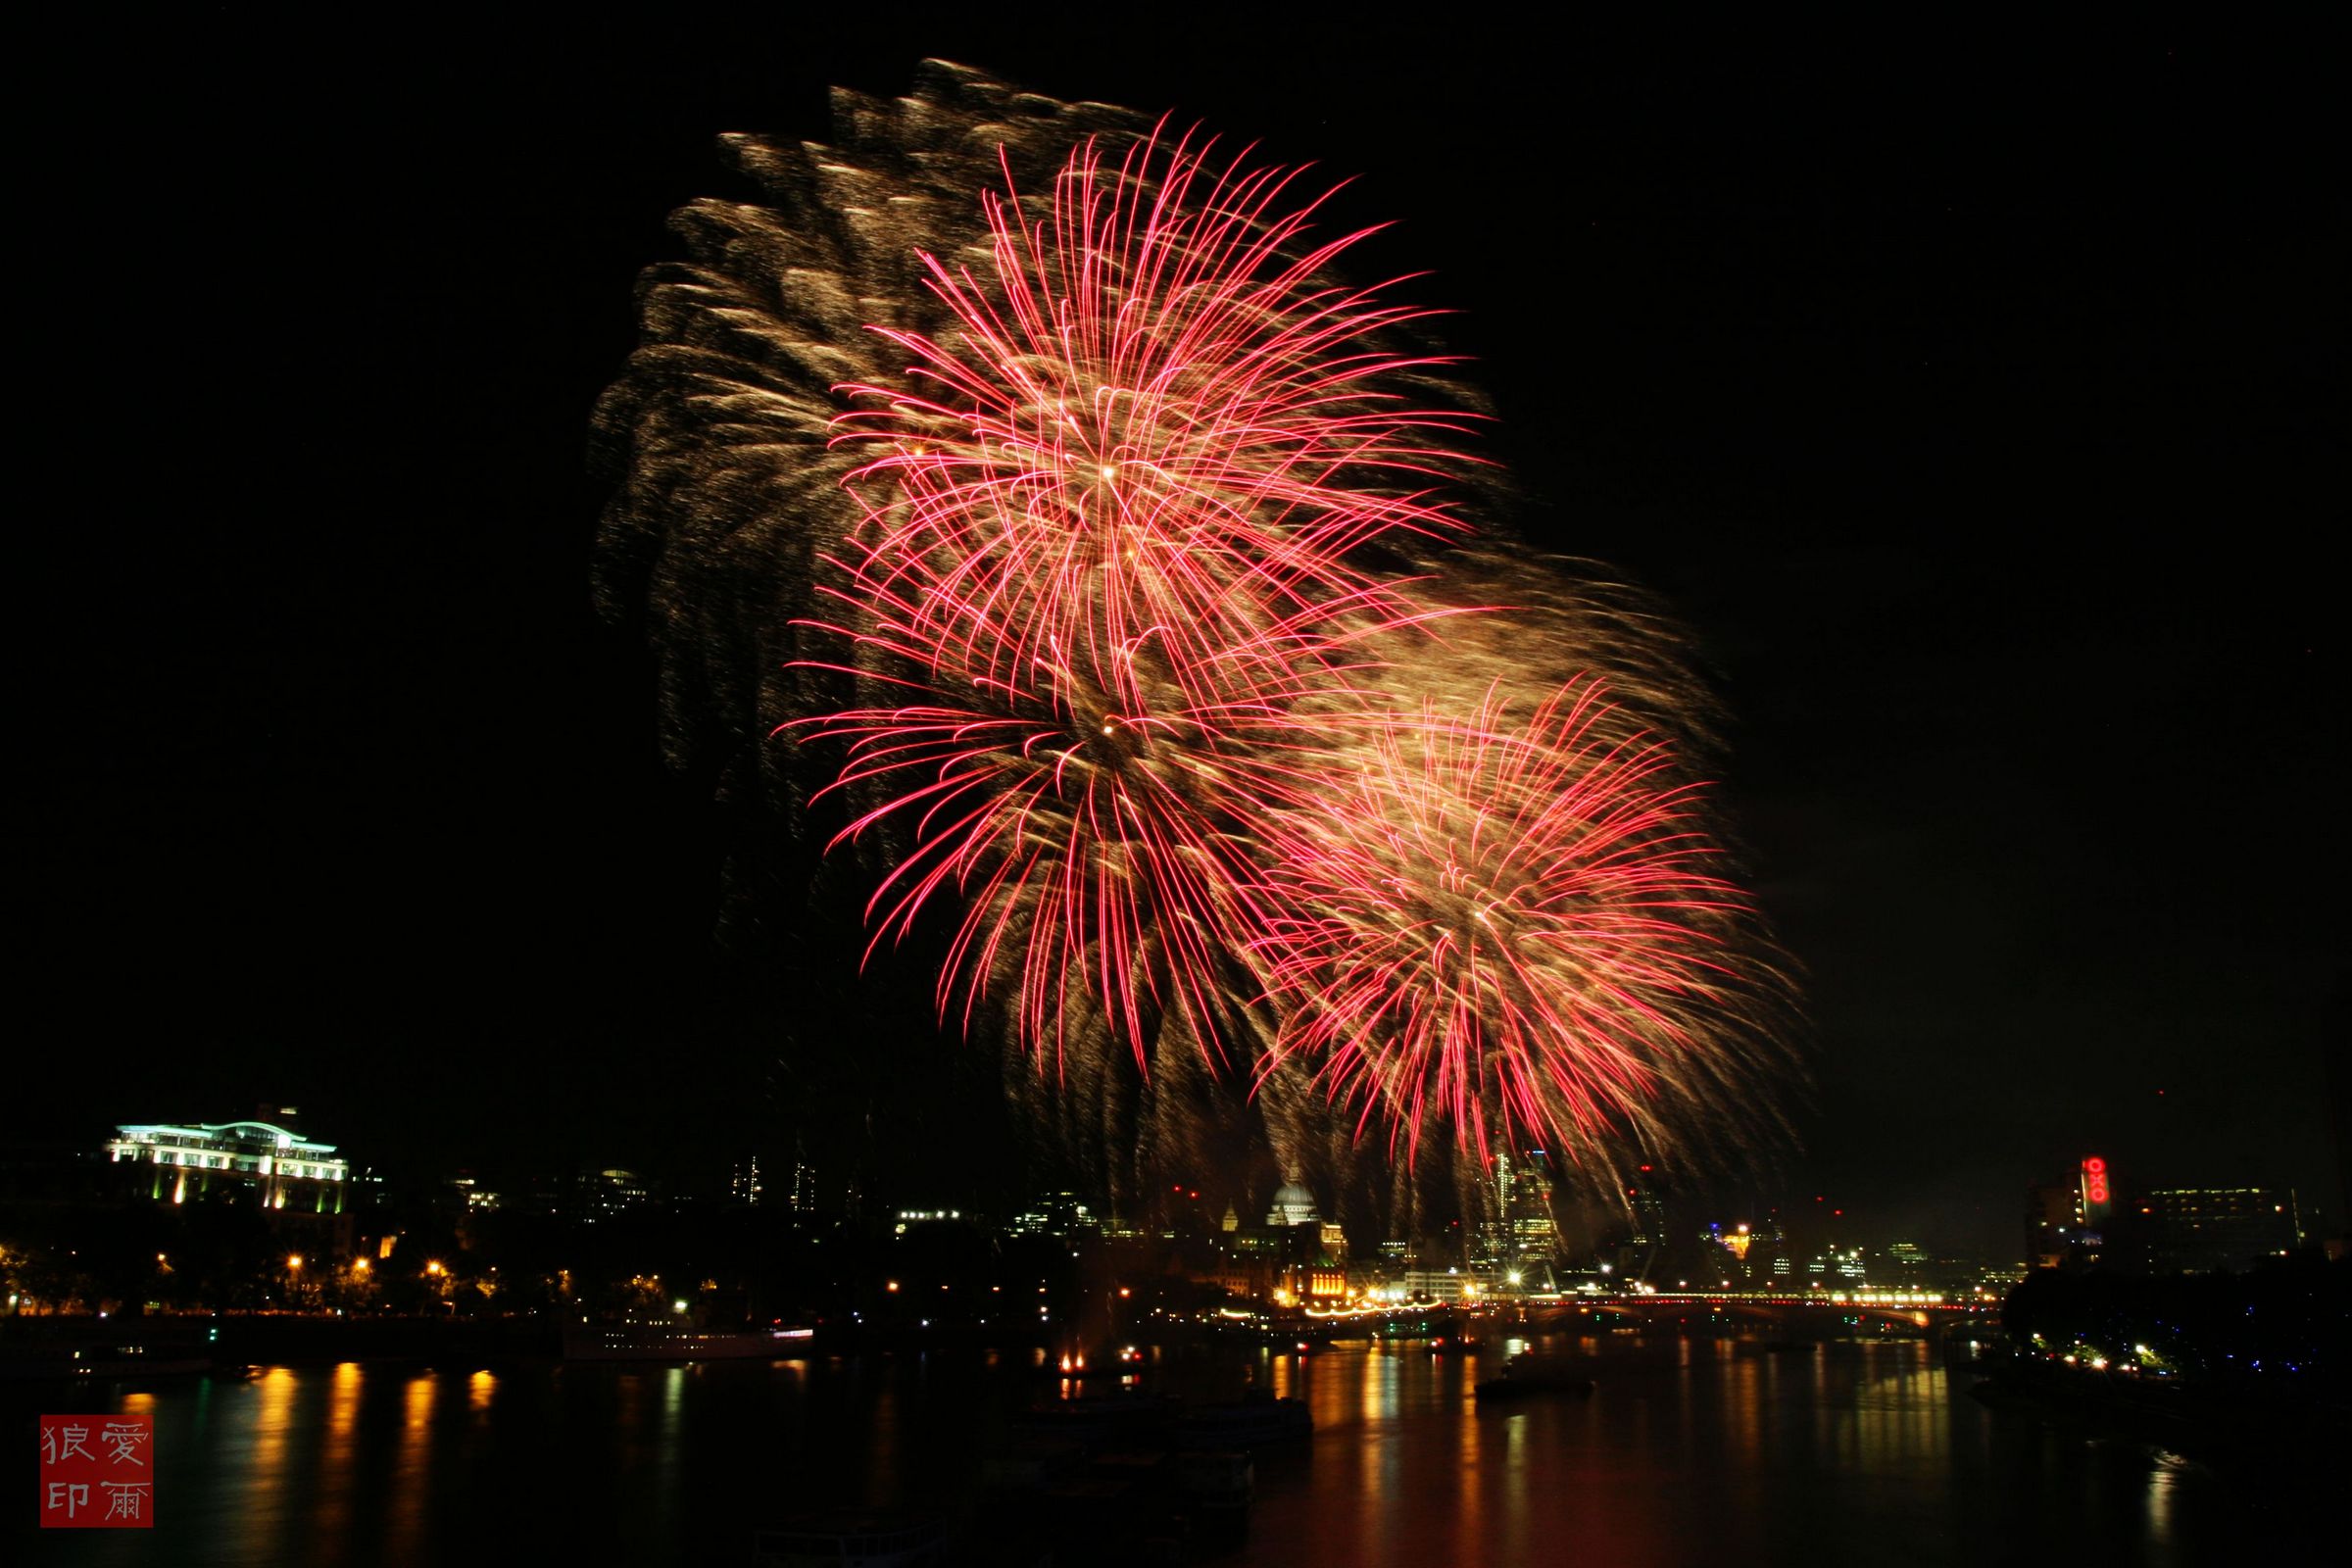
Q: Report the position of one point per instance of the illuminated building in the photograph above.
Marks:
(185, 1164)
(2196, 1229)
(1293, 1208)
(1645, 1209)
(1724, 1254)
(2099, 1196)
(1273, 1280)
(1058, 1214)
(743, 1185)
(2053, 1223)
(2068, 1224)
(1521, 1232)
(614, 1192)
(1449, 1285)
(1294, 1204)
(476, 1199)
(1762, 1251)
(585, 1197)
(1833, 1266)
(1296, 1256)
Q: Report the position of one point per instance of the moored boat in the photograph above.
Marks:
(1256, 1421)
(850, 1540)
(83, 1360)
(1530, 1373)
(679, 1342)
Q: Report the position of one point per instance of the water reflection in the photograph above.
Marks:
(1686, 1451)
(331, 1488)
(2162, 1486)
(407, 1490)
(1376, 1389)
(272, 1424)
(883, 1482)
(668, 1449)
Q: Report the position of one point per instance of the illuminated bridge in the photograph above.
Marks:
(1814, 1313)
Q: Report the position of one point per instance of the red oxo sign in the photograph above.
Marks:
(97, 1472)
(2094, 1180)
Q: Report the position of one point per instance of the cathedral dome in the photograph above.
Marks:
(1294, 1204)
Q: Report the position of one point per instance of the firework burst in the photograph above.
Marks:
(1512, 921)
(720, 433)
(1156, 429)
(1107, 576)
(1109, 565)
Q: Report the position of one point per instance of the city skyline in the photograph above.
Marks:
(1532, 1221)
(361, 807)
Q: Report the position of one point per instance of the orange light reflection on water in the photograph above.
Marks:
(332, 1487)
(405, 1502)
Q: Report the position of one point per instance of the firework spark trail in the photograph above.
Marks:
(1160, 427)
(1106, 558)
(721, 428)
(1511, 921)
(1111, 559)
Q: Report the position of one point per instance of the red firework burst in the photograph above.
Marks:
(1506, 924)
(1097, 853)
(1154, 426)
(1106, 564)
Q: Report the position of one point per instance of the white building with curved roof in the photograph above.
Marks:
(285, 1170)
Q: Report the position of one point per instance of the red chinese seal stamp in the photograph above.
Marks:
(97, 1472)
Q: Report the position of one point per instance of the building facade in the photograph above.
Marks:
(2196, 1229)
(179, 1165)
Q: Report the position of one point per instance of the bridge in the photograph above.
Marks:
(1811, 1314)
(1816, 1313)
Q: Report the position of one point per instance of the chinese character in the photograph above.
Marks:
(127, 1500)
(124, 1437)
(75, 1477)
(61, 1443)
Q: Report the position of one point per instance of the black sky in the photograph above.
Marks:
(1980, 405)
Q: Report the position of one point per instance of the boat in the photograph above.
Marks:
(850, 1540)
(657, 1341)
(1256, 1420)
(1216, 1479)
(1093, 1422)
(1119, 1361)
(1528, 1375)
(1031, 1461)
(83, 1360)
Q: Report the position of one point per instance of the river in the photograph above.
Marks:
(1689, 1451)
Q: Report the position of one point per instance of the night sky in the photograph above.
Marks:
(1978, 405)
